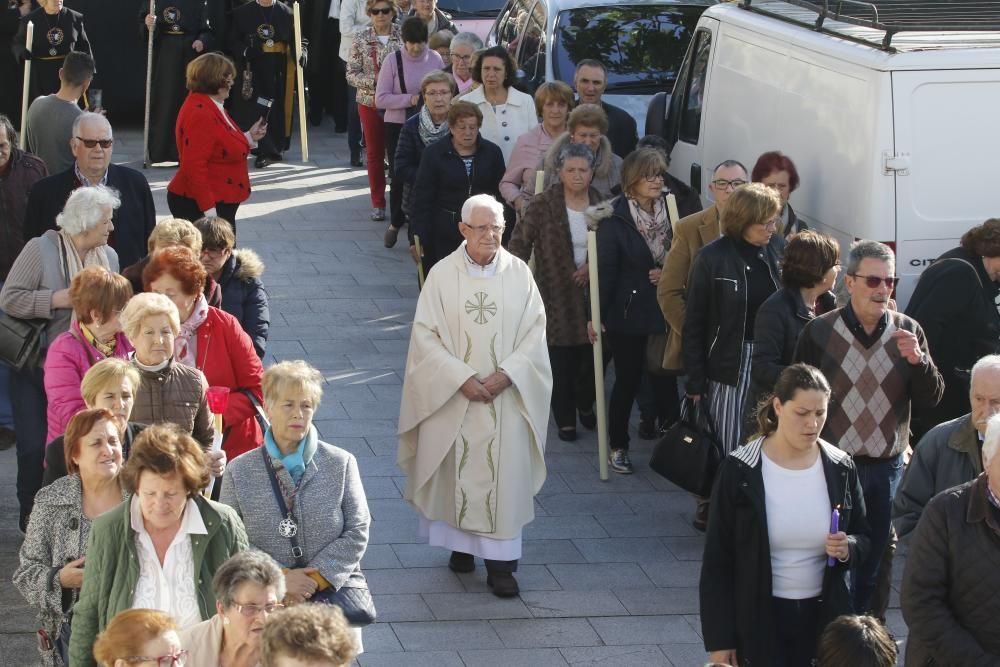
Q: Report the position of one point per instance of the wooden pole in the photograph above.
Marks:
(672, 211)
(29, 41)
(420, 260)
(149, 86)
(595, 318)
(539, 181)
(300, 81)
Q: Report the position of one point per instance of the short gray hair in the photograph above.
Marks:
(992, 438)
(571, 150)
(88, 116)
(467, 38)
(865, 249)
(8, 129)
(991, 362)
(482, 201)
(85, 208)
(254, 567)
(731, 163)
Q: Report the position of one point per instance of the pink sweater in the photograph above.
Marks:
(525, 160)
(387, 90)
(66, 362)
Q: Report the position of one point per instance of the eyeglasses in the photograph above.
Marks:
(90, 143)
(253, 610)
(872, 282)
(723, 184)
(654, 178)
(482, 229)
(218, 252)
(770, 224)
(178, 659)
(464, 59)
(385, 11)
(437, 93)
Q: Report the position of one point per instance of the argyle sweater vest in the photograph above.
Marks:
(869, 413)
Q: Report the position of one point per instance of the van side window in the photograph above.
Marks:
(690, 126)
(531, 59)
(509, 24)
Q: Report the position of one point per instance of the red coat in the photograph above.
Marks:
(226, 356)
(213, 155)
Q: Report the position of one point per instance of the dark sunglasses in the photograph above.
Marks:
(874, 281)
(384, 11)
(90, 143)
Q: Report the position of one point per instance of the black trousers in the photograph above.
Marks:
(29, 405)
(328, 78)
(629, 354)
(496, 565)
(796, 624)
(187, 209)
(396, 218)
(572, 382)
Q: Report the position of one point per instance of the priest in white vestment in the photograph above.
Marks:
(475, 406)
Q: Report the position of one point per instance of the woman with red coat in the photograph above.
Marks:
(212, 177)
(212, 341)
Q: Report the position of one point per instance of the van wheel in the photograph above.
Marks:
(656, 115)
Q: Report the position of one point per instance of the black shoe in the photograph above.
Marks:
(460, 562)
(22, 523)
(620, 462)
(588, 419)
(7, 438)
(356, 161)
(340, 130)
(260, 162)
(503, 584)
(700, 521)
(316, 118)
(390, 236)
(567, 434)
(647, 428)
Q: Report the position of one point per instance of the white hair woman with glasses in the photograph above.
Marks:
(37, 287)
(248, 589)
(462, 49)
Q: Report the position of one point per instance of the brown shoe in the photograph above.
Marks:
(503, 584)
(460, 562)
(390, 236)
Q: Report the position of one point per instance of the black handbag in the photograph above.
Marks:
(356, 603)
(21, 341)
(688, 454)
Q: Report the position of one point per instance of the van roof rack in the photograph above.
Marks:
(888, 17)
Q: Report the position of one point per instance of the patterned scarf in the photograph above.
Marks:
(187, 340)
(74, 263)
(654, 227)
(429, 132)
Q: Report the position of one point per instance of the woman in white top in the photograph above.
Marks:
(507, 112)
(775, 567)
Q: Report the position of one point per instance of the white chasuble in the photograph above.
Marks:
(476, 466)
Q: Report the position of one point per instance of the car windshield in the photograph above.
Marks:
(641, 45)
(461, 9)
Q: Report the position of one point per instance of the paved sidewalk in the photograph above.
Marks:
(610, 569)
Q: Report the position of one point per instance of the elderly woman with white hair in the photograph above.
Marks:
(37, 287)
(949, 596)
(301, 499)
(462, 49)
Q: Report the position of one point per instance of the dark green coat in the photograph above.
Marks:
(112, 569)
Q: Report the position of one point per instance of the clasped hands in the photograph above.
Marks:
(487, 389)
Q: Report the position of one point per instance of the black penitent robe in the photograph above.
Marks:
(179, 23)
(261, 39)
(55, 36)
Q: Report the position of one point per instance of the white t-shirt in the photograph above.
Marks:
(798, 521)
(578, 232)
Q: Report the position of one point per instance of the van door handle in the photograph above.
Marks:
(696, 177)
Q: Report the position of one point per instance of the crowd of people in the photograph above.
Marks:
(843, 424)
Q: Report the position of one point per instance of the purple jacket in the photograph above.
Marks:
(387, 91)
(66, 362)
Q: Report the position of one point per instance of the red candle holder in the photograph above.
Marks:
(218, 399)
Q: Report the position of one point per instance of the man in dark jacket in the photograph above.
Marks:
(18, 172)
(133, 220)
(590, 80)
(325, 71)
(950, 453)
(949, 596)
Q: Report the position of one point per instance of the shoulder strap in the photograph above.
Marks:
(262, 419)
(300, 560)
(399, 68)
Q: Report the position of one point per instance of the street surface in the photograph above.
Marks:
(610, 569)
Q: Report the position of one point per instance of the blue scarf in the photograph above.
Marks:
(295, 462)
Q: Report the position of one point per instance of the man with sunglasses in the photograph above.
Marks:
(877, 364)
(92, 144)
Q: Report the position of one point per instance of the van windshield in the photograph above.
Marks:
(462, 9)
(641, 45)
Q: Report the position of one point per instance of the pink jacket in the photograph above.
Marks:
(525, 160)
(66, 362)
(387, 90)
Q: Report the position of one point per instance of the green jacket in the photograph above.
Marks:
(112, 569)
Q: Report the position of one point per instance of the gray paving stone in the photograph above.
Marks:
(673, 574)
(447, 635)
(628, 630)
(562, 604)
(685, 548)
(379, 557)
(550, 551)
(599, 576)
(356, 446)
(383, 445)
(650, 602)
(393, 532)
(369, 410)
(616, 656)
(391, 508)
(562, 527)
(378, 466)
(405, 607)
(379, 487)
(561, 504)
(380, 638)
(413, 659)
(591, 483)
(529, 578)
(573, 462)
(648, 524)
(19, 650)
(528, 657)
(622, 549)
(685, 655)
(546, 633)
(416, 580)
(694, 621)
(421, 555)
(474, 606)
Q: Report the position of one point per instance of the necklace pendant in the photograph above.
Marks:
(269, 43)
(52, 52)
(287, 527)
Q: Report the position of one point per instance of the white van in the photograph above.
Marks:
(896, 135)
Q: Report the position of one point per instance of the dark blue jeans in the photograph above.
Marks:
(879, 479)
(27, 390)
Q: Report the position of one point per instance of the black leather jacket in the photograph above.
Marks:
(715, 313)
